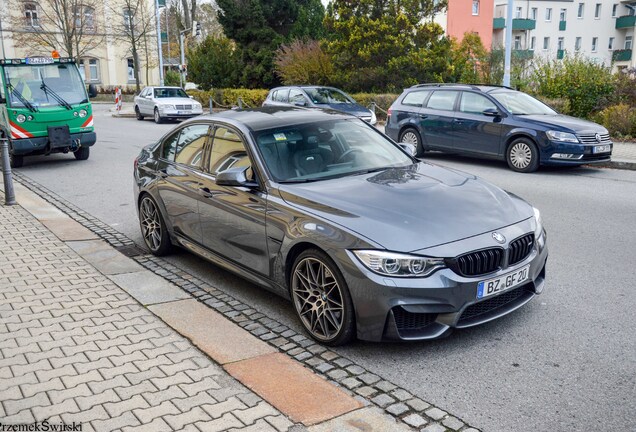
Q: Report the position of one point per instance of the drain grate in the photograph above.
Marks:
(131, 250)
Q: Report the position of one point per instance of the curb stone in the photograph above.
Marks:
(284, 339)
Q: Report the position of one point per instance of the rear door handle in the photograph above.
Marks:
(206, 192)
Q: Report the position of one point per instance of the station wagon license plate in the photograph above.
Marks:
(502, 283)
(601, 149)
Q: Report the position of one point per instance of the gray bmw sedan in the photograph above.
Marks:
(323, 209)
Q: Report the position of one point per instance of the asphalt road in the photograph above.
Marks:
(566, 361)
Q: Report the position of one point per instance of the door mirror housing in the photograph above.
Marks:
(92, 91)
(236, 176)
(301, 103)
(491, 112)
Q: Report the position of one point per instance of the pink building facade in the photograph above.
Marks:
(470, 16)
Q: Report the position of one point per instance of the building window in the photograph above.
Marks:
(475, 7)
(31, 15)
(614, 10)
(518, 12)
(131, 70)
(89, 69)
(577, 44)
(594, 44)
(597, 11)
(628, 42)
(517, 42)
(533, 42)
(84, 18)
(546, 43)
(610, 45)
(560, 43)
(548, 14)
(563, 14)
(128, 19)
(533, 13)
(581, 10)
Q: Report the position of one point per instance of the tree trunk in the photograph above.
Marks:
(186, 15)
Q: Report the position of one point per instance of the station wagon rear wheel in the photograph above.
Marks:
(522, 156)
(153, 228)
(411, 136)
(321, 298)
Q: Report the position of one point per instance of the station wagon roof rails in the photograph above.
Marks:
(492, 85)
(471, 86)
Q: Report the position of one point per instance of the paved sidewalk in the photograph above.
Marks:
(74, 347)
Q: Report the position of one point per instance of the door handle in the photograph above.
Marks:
(206, 192)
(458, 121)
(423, 116)
(162, 173)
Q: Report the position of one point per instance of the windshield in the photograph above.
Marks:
(44, 85)
(521, 103)
(328, 149)
(170, 93)
(323, 95)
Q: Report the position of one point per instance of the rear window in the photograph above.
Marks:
(416, 98)
(442, 100)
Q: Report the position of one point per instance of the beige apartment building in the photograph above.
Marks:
(106, 59)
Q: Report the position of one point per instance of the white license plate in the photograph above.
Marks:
(601, 149)
(184, 112)
(502, 283)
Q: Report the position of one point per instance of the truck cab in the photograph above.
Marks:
(44, 108)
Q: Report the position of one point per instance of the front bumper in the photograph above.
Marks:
(429, 308)
(180, 114)
(584, 151)
(40, 145)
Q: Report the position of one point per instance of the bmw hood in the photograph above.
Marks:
(412, 208)
(348, 108)
(573, 124)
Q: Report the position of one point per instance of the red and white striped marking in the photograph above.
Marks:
(118, 99)
(88, 122)
(18, 132)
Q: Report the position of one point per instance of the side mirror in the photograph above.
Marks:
(191, 97)
(92, 91)
(491, 112)
(236, 176)
(301, 103)
(409, 148)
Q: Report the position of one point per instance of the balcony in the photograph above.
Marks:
(627, 21)
(517, 24)
(622, 55)
(523, 54)
(562, 25)
(560, 54)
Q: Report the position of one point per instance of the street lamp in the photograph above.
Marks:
(508, 47)
(158, 4)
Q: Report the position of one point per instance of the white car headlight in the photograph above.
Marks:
(166, 106)
(396, 264)
(537, 217)
(562, 136)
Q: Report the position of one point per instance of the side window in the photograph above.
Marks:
(190, 145)
(442, 100)
(272, 95)
(474, 103)
(415, 98)
(296, 96)
(228, 150)
(170, 146)
(281, 95)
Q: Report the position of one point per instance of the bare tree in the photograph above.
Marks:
(133, 24)
(68, 26)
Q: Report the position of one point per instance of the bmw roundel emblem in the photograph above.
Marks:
(499, 237)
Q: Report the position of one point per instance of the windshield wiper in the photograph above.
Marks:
(21, 98)
(56, 96)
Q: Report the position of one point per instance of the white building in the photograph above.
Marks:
(602, 30)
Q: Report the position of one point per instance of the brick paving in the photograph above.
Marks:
(74, 347)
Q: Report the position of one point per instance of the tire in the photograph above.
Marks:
(16, 161)
(317, 288)
(138, 113)
(153, 228)
(412, 136)
(83, 153)
(522, 156)
(158, 118)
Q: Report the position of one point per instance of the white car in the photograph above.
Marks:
(163, 103)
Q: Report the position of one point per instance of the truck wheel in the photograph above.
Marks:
(83, 153)
(16, 161)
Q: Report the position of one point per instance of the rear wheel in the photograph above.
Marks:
(153, 228)
(138, 114)
(522, 156)
(411, 136)
(82, 153)
(321, 298)
(158, 118)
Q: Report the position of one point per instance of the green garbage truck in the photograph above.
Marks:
(44, 108)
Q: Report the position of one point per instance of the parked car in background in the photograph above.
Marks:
(323, 209)
(494, 122)
(319, 97)
(166, 103)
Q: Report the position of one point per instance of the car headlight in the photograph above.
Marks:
(537, 217)
(166, 106)
(562, 136)
(21, 118)
(82, 113)
(396, 264)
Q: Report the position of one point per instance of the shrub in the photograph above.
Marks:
(303, 62)
(620, 120)
(171, 78)
(560, 105)
(228, 98)
(382, 101)
(214, 63)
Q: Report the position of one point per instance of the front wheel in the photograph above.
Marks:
(522, 156)
(82, 153)
(153, 228)
(411, 136)
(321, 298)
(158, 118)
(16, 161)
(138, 114)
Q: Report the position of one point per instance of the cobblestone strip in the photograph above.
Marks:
(359, 381)
(74, 347)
